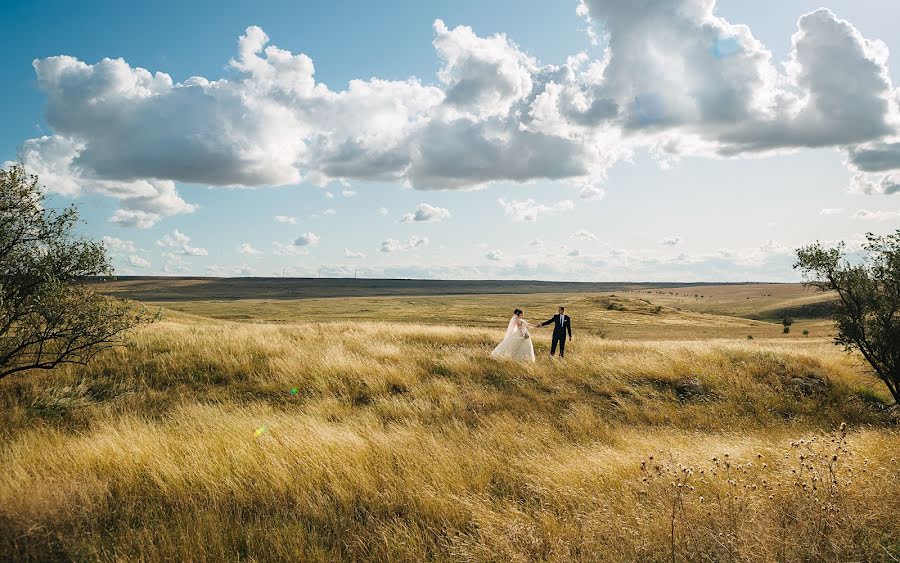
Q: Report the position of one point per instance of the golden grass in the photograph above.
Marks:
(407, 442)
(627, 316)
(751, 300)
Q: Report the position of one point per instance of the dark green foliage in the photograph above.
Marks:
(47, 317)
(868, 308)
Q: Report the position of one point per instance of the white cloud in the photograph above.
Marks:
(353, 254)
(426, 213)
(348, 193)
(483, 76)
(866, 215)
(306, 239)
(329, 195)
(285, 219)
(584, 234)
(117, 245)
(528, 210)
(177, 243)
(670, 241)
(288, 249)
(382, 211)
(831, 211)
(138, 262)
(573, 253)
(674, 79)
(329, 212)
(143, 201)
(591, 192)
(247, 249)
(244, 270)
(494, 255)
(774, 247)
(873, 184)
(391, 246)
(125, 252)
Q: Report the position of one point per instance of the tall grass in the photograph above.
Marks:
(409, 443)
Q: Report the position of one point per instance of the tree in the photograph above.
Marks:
(868, 309)
(787, 321)
(48, 315)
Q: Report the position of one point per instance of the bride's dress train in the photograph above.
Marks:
(517, 343)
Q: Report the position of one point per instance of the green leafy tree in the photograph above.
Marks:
(48, 315)
(868, 308)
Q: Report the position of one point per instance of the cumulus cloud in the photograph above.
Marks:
(673, 66)
(866, 215)
(382, 211)
(306, 239)
(484, 76)
(288, 249)
(117, 245)
(674, 78)
(831, 211)
(247, 249)
(591, 192)
(875, 157)
(348, 193)
(494, 255)
(670, 241)
(244, 270)
(426, 213)
(138, 262)
(584, 234)
(143, 201)
(177, 243)
(124, 251)
(391, 246)
(285, 219)
(529, 210)
(869, 184)
(353, 254)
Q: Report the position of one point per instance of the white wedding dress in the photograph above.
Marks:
(517, 343)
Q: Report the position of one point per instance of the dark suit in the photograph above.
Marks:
(559, 333)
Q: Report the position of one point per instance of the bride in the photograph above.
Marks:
(517, 343)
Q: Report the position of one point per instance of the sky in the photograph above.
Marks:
(600, 140)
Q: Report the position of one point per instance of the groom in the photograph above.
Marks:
(561, 325)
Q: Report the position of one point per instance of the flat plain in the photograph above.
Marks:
(282, 420)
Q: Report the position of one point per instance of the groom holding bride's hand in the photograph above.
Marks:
(561, 325)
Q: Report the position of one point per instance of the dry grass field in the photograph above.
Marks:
(378, 428)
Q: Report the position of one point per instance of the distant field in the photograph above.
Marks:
(191, 289)
(617, 311)
(753, 301)
(248, 427)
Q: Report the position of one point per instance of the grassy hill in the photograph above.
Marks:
(752, 301)
(388, 434)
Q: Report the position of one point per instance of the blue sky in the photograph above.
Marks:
(736, 168)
